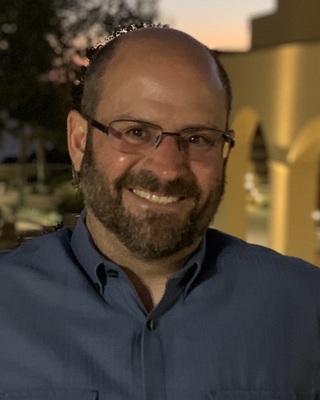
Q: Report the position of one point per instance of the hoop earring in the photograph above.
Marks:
(75, 178)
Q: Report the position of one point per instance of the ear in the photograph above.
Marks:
(77, 129)
(227, 149)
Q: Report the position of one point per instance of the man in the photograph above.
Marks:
(141, 301)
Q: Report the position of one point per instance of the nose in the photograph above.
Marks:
(173, 134)
(166, 160)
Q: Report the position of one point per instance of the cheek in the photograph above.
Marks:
(207, 176)
(112, 163)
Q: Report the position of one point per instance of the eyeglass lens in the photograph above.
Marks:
(137, 137)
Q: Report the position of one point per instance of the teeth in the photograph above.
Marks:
(154, 198)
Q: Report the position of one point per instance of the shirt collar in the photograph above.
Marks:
(85, 250)
(188, 274)
(92, 260)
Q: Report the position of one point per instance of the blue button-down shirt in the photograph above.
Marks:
(237, 322)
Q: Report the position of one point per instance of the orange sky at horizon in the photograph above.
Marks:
(222, 25)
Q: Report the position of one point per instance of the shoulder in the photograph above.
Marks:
(41, 251)
(237, 249)
(258, 275)
(45, 266)
(255, 262)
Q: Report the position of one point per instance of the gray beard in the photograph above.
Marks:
(156, 235)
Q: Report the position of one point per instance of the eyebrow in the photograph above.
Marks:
(191, 126)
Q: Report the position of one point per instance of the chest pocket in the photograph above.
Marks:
(251, 395)
(55, 394)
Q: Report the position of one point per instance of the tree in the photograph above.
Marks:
(41, 44)
(26, 58)
(92, 19)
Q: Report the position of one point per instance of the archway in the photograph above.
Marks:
(231, 217)
(316, 217)
(293, 230)
(257, 190)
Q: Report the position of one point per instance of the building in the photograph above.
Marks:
(277, 104)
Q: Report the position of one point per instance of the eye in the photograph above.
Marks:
(136, 133)
(200, 139)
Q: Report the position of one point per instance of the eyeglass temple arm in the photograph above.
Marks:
(228, 138)
(96, 124)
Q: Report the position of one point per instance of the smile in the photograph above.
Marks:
(153, 198)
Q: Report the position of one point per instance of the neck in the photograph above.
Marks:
(148, 276)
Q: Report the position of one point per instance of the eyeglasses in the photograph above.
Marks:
(140, 137)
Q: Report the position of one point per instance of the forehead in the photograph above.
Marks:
(164, 47)
(162, 65)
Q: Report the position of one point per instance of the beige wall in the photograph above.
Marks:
(294, 21)
(278, 88)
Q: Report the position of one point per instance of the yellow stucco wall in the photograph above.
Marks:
(279, 88)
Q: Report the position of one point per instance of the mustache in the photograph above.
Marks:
(147, 180)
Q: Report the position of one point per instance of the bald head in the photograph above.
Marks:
(168, 42)
(147, 48)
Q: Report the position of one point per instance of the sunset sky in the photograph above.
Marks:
(219, 24)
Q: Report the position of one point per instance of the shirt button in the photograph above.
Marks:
(113, 273)
(151, 324)
(97, 286)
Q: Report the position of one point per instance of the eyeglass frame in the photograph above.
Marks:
(225, 135)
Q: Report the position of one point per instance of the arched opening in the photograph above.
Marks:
(259, 157)
(256, 183)
(316, 217)
(294, 229)
(231, 217)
